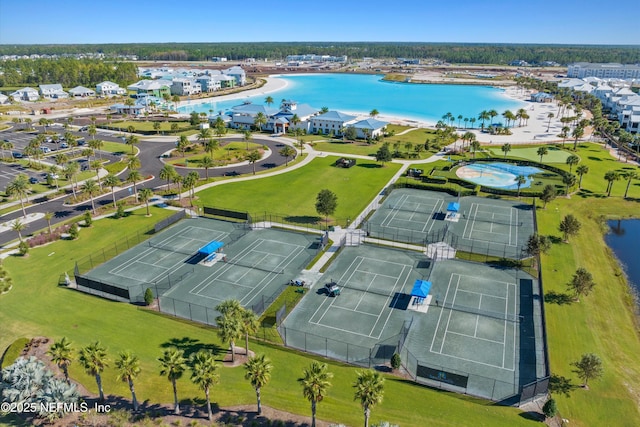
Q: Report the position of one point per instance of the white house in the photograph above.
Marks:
(81, 92)
(53, 91)
(108, 88)
(541, 97)
(208, 83)
(283, 120)
(243, 116)
(369, 128)
(238, 74)
(331, 122)
(185, 87)
(604, 71)
(25, 94)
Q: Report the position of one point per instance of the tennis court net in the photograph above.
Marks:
(173, 248)
(421, 209)
(247, 264)
(386, 293)
(494, 314)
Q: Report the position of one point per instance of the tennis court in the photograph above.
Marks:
(467, 334)
(252, 266)
(486, 226)
(375, 284)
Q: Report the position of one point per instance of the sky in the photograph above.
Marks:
(460, 21)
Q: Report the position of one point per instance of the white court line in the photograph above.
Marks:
(433, 340)
(478, 319)
(446, 329)
(342, 280)
(439, 202)
(386, 304)
(355, 311)
(475, 338)
(480, 293)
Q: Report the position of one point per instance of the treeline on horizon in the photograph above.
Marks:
(66, 71)
(462, 53)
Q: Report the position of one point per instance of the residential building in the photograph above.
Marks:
(25, 94)
(243, 116)
(369, 128)
(131, 110)
(283, 119)
(604, 71)
(81, 92)
(185, 87)
(53, 91)
(109, 89)
(219, 59)
(331, 122)
(208, 83)
(238, 74)
(541, 97)
(152, 87)
(316, 58)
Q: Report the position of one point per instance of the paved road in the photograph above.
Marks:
(150, 151)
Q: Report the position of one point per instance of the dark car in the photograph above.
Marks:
(33, 180)
(16, 155)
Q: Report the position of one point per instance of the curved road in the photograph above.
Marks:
(150, 151)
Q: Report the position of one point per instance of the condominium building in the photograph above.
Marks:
(604, 71)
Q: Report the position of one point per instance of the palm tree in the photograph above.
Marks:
(509, 117)
(246, 136)
(610, 177)
(145, 195)
(268, 100)
(211, 145)
(582, 170)
(112, 181)
(190, 182)
(324, 110)
(18, 226)
(252, 157)
(172, 365)
(475, 146)
(549, 116)
(630, 176)
(128, 366)
(250, 326)
(259, 121)
(205, 374)
(472, 120)
(20, 188)
(182, 144)
(91, 188)
(492, 114)
(484, 115)
(167, 172)
(203, 135)
(287, 152)
(520, 179)
(315, 383)
(577, 133)
(93, 359)
(60, 353)
(374, 113)
(230, 326)
(48, 216)
(505, 149)
(295, 120)
(178, 179)
(564, 134)
(572, 160)
(369, 387)
(8, 146)
(542, 151)
(460, 116)
(569, 181)
(133, 177)
(175, 99)
(132, 140)
(258, 372)
(206, 162)
(92, 131)
(96, 165)
(71, 172)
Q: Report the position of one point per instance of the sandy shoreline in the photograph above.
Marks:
(535, 130)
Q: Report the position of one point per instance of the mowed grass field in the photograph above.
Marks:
(555, 154)
(293, 194)
(36, 306)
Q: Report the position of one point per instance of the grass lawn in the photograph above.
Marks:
(601, 323)
(355, 188)
(555, 155)
(232, 151)
(38, 307)
(147, 126)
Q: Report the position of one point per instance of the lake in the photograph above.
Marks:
(624, 240)
(361, 93)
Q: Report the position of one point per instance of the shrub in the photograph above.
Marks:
(396, 361)
(550, 409)
(119, 211)
(87, 219)
(23, 248)
(74, 231)
(44, 238)
(148, 296)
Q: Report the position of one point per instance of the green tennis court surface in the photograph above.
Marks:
(485, 226)
(475, 332)
(257, 265)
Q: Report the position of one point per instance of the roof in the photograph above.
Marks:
(370, 123)
(302, 110)
(55, 86)
(453, 207)
(26, 89)
(254, 109)
(210, 247)
(421, 288)
(80, 89)
(335, 115)
(107, 83)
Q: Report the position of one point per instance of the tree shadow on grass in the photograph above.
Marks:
(191, 346)
(369, 165)
(558, 298)
(561, 385)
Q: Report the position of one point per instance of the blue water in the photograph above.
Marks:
(499, 175)
(624, 240)
(359, 93)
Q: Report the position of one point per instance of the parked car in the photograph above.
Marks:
(84, 129)
(64, 145)
(16, 155)
(81, 141)
(33, 180)
(45, 149)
